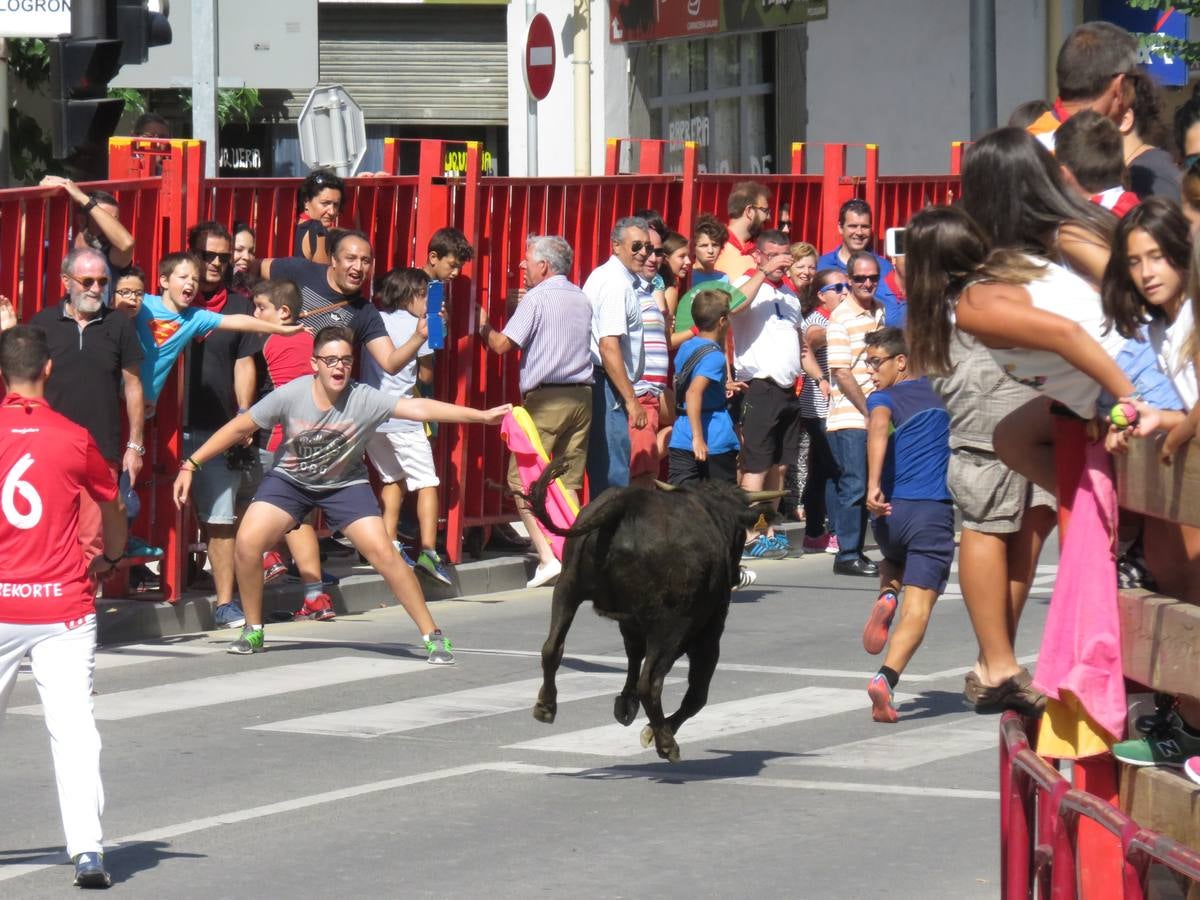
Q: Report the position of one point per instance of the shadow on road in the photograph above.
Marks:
(930, 704)
(730, 764)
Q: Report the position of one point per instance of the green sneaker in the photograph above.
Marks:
(431, 564)
(1166, 743)
(439, 648)
(248, 642)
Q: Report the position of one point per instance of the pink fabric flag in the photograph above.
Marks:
(521, 435)
(1081, 643)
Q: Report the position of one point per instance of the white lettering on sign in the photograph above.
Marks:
(541, 56)
(240, 158)
(35, 18)
(693, 129)
(30, 591)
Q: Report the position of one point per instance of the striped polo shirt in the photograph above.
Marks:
(553, 326)
(654, 342)
(846, 348)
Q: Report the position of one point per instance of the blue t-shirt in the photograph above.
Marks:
(718, 426)
(164, 334)
(895, 311)
(919, 446)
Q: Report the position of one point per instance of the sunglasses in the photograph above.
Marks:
(864, 279)
(875, 362)
(335, 361)
(87, 281)
(658, 251)
(839, 286)
(639, 246)
(214, 256)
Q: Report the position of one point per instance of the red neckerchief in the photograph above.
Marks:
(744, 249)
(790, 285)
(28, 403)
(825, 311)
(214, 302)
(304, 217)
(1059, 111)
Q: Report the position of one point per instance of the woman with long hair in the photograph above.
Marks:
(318, 205)
(674, 268)
(1012, 187)
(1152, 170)
(795, 478)
(242, 277)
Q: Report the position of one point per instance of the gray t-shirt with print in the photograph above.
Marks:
(322, 449)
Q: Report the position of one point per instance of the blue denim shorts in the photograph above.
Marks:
(342, 506)
(919, 536)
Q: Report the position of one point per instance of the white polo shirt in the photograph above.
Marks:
(766, 337)
(616, 312)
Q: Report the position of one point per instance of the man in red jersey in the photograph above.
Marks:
(47, 595)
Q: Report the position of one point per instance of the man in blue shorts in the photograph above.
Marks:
(908, 451)
(327, 420)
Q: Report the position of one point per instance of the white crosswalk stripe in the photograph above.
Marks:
(714, 721)
(242, 686)
(1039, 589)
(136, 654)
(442, 709)
(900, 750)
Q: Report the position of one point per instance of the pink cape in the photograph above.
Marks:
(1081, 643)
(521, 435)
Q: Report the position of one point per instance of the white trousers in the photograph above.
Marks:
(63, 657)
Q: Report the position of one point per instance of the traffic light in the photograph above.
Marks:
(80, 70)
(139, 29)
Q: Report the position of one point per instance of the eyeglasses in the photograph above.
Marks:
(874, 362)
(864, 279)
(214, 256)
(87, 281)
(839, 286)
(129, 293)
(765, 210)
(639, 246)
(335, 361)
(658, 251)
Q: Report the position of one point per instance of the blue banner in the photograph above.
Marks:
(1166, 70)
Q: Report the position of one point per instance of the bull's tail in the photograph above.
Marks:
(536, 498)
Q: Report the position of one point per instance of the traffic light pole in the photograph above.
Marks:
(89, 19)
(204, 81)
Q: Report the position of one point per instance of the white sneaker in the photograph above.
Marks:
(746, 577)
(546, 573)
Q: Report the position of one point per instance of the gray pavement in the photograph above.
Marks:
(339, 764)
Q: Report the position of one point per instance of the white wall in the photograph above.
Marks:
(897, 74)
(556, 114)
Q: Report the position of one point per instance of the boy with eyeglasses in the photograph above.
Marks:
(908, 452)
(327, 420)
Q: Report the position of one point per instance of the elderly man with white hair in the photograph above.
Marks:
(552, 327)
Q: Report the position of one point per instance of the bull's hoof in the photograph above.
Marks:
(671, 753)
(544, 713)
(647, 736)
(625, 709)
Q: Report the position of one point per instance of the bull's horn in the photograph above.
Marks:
(760, 496)
(663, 486)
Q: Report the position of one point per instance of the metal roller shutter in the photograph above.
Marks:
(412, 64)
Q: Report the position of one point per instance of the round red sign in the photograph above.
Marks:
(539, 57)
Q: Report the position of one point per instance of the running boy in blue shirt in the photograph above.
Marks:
(908, 450)
(703, 443)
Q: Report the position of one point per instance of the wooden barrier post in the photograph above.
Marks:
(612, 157)
(650, 157)
(871, 186)
(687, 200)
(391, 156)
(799, 164)
(956, 156)
(831, 179)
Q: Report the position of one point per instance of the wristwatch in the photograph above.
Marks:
(91, 204)
(112, 562)
(139, 449)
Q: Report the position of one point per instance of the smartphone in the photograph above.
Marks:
(437, 328)
(894, 242)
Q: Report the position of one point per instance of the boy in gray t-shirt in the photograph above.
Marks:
(327, 421)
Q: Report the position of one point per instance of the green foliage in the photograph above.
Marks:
(1189, 51)
(29, 61)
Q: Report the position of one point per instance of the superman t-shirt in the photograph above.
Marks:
(165, 334)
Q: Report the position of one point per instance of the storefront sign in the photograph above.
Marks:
(245, 152)
(658, 20)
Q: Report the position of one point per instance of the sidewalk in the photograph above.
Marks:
(360, 589)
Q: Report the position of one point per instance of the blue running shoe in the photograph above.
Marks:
(403, 551)
(229, 615)
(431, 564)
(760, 548)
(783, 546)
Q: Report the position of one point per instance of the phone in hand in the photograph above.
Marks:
(894, 242)
(433, 306)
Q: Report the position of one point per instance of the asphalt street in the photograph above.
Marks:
(339, 764)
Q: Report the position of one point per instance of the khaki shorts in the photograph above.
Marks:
(563, 416)
(991, 496)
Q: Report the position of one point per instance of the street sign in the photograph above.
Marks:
(539, 57)
(1149, 25)
(333, 133)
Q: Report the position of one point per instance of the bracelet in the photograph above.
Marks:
(139, 449)
(91, 204)
(112, 562)
(195, 465)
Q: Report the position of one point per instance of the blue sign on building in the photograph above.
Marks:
(1166, 70)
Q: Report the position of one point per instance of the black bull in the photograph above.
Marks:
(663, 565)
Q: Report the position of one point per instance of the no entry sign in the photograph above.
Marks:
(539, 57)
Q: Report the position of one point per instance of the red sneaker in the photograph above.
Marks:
(318, 609)
(875, 633)
(273, 566)
(880, 693)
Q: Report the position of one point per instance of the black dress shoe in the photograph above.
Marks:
(861, 566)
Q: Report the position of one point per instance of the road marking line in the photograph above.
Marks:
(134, 654)
(10, 871)
(902, 750)
(218, 690)
(442, 709)
(717, 720)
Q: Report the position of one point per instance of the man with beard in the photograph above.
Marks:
(749, 208)
(97, 359)
(854, 223)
